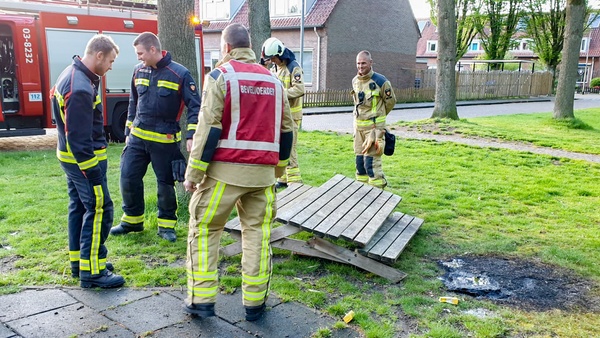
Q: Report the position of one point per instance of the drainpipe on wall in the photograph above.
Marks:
(318, 59)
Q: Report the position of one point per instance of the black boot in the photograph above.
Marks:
(125, 228)
(200, 310)
(75, 268)
(105, 279)
(254, 312)
(168, 234)
(280, 186)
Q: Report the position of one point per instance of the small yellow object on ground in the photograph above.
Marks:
(348, 317)
(451, 300)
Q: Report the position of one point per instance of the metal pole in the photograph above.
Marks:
(302, 34)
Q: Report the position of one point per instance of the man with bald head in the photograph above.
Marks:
(242, 143)
(374, 98)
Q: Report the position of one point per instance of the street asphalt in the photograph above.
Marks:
(136, 312)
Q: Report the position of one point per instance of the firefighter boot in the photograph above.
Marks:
(254, 312)
(124, 228)
(105, 279)
(75, 268)
(280, 186)
(200, 310)
(168, 234)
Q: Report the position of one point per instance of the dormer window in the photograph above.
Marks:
(285, 7)
(215, 9)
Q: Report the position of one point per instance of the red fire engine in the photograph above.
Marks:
(38, 40)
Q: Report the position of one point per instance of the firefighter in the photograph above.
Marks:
(81, 150)
(242, 144)
(291, 75)
(374, 98)
(159, 89)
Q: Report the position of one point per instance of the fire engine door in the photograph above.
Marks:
(9, 94)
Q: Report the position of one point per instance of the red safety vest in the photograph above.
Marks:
(252, 115)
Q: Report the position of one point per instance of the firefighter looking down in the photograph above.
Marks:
(374, 98)
(81, 150)
(291, 75)
(159, 88)
(242, 144)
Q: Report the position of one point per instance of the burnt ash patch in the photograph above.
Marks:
(519, 283)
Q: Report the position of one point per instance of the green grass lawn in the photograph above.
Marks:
(476, 201)
(579, 135)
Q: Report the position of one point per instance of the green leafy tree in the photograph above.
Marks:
(445, 76)
(567, 78)
(499, 27)
(467, 20)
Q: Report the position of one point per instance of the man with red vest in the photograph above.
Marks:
(241, 145)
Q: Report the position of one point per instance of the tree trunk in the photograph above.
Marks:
(445, 76)
(260, 24)
(567, 76)
(176, 34)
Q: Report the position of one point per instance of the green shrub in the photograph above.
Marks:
(595, 82)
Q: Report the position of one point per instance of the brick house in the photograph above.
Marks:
(334, 32)
(589, 54)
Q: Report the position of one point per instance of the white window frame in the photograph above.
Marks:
(307, 82)
(215, 9)
(432, 45)
(473, 44)
(284, 8)
(584, 44)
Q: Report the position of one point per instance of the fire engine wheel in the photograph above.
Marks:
(118, 123)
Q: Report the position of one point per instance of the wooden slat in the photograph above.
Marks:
(287, 214)
(276, 234)
(394, 251)
(389, 222)
(323, 214)
(353, 258)
(363, 203)
(303, 248)
(388, 239)
(348, 203)
(370, 229)
(301, 217)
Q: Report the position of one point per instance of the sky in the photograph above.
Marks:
(420, 8)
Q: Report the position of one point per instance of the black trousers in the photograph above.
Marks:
(137, 155)
(90, 219)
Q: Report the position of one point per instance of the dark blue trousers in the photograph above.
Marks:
(136, 157)
(90, 219)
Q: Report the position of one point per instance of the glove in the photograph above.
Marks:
(178, 167)
(369, 141)
(94, 175)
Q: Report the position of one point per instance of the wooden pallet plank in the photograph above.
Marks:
(358, 209)
(287, 214)
(276, 234)
(301, 217)
(353, 258)
(389, 222)
(303, 248)
(328, 224)
(378, 250)
(323, 214)
(394, 251)
(370, 229)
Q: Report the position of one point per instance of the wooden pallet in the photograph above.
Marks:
(341, 208)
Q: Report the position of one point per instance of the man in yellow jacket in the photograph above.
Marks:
(291, 75)
(242, 143)
(374, 98)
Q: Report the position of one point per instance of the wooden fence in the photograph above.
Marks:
(478, 85)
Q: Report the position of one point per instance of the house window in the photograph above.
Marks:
(474, 46)
(584, 45)
(307, 65)
(285, 7)
(432, 46)
(211, 57)
(215, 9)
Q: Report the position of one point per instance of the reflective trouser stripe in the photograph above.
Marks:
(292, 171)
(210, 208)
(166, 223)
(132, 219)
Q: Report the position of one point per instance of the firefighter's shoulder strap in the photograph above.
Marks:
(379, 79)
